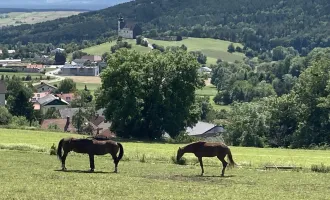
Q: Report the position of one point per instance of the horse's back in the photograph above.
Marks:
(209, 149)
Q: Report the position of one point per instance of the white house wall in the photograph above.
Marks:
(126, 33)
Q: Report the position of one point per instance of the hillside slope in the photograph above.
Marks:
(258, 24)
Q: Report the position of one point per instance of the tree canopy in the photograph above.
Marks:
(146, 95)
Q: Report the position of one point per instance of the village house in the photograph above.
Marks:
(44, 87)
(68, 97)
(128, 29)
(78, 70)
(37, 96)
(0, 51)
(58, 50)
(50, 101)
(3, 91)
(11, 51)
(205, 130)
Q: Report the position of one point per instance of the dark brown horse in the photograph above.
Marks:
(91, 147)
(205, 149)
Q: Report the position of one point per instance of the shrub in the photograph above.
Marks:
(53, 126)
(320, 168)
(5, 116)
(143, 159)
(182, 161)
(53, 150)
(19, 121)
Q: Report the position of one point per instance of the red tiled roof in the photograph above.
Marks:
(67, 96)
(35, 66)
(97, 120)
(61, 123)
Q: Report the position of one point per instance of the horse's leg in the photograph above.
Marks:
(201, 163)
(224, 165)
(91, 162)
(116, 161)
(65, 154)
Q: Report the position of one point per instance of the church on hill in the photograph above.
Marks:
(128, 29)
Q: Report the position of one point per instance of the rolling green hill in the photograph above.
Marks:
(259, 25)
(212, 48)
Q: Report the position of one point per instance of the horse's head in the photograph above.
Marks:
(179, 154)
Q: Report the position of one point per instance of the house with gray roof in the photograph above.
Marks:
(44, 87)
(51, 101)
(204, 130)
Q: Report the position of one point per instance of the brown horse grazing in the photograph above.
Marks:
(91, 147)
(205, 149)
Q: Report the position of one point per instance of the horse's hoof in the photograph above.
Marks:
(91, 170)
(115, 171)
(63, 169)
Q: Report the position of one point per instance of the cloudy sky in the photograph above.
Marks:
(76, 4)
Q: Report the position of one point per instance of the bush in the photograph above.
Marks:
(183, 138)
(182, 161)
(53, 126)
(53, 150)
(5, 116)
(320, 168)
(19, 121)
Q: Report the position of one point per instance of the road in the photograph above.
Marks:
(52, 74)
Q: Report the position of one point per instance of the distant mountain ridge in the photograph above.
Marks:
(61, 4)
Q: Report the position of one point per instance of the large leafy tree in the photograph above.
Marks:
(19, 100)
(66, 86)
(145, 95)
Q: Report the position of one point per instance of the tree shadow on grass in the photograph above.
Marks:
(84, 171)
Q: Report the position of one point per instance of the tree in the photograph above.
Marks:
(146, 95)
(231, 48)
(52, 113)
(78, 55)
(66, 86)
(201, 58)
(83, 99)
(60, 58)
(19, 104)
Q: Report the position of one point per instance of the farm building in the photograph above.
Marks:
(44, 87)
(3, 91)
(10, 61)
(128, 29)
(79, 70)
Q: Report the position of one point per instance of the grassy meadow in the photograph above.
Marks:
(212, 48)
(18, 18)
(146, 172)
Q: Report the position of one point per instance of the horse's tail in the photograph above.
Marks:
(230, 158)
(59, 149)
(121, 151)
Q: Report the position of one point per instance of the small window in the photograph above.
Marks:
(42, 89)
(38, 95)
(68, 98)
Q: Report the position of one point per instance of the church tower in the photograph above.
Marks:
(120, 23)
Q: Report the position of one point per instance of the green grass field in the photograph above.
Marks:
(18, 18)
(31, 173)
(212, 48)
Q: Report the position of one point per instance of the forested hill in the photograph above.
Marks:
(303, 24)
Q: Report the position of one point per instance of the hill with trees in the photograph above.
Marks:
(259, 25)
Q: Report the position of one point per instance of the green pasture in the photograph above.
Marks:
(212, 48)
(29, 172)
(18, 18)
